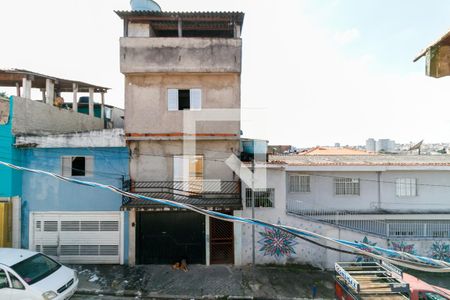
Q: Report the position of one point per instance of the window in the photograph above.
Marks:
(184, 99)
(35, 268)
(3, 280)
(263, 197)
(406, 187)
(16, 284)
(77, 165)
(430, 296)
(347, 186)
(299, 184)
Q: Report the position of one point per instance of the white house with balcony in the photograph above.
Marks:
(399, 202)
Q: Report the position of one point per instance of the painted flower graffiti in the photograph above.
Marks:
(277, 243)
(403, 247)
(363, 258)
(440, 251)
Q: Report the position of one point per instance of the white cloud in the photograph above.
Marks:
(297, 86)
(347, 36)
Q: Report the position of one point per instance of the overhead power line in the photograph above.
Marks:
(395, 257)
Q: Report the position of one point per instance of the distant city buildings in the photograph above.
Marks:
(371, 145)
(382, 145)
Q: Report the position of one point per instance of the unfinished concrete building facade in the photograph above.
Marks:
(177, 66)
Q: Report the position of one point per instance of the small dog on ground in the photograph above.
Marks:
(180, 266)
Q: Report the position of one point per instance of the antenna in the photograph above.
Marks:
(416, 146)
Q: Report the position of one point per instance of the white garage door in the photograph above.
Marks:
(78, 237)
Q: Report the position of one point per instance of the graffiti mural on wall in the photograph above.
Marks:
(277, 243)
(361, 258)
(441, 251)
(403, 247)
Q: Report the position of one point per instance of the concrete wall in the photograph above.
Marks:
(32, 117)
(322, 195)
(431, 195)
(98, 138)
(146, 108)
(153, 160)
(117, 118)
(45, 193)
(307, 253)
(138, 30)
(145, 55)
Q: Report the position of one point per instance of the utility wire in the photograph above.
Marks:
(95, 149)
(395, 257)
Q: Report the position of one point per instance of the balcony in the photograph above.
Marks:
(168, 55)
(215, 194)
(382, 224)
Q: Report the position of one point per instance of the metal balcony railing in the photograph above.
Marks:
(376, 224)
(196, 192)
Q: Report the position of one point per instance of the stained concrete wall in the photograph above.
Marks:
(32, 117)
(307, 253)
(431, 195)
(144, 55)
(146, 105)
(96, 138)
(153, 160)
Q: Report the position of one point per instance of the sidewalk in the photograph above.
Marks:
(201, 282)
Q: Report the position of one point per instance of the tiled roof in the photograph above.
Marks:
(334, 151)
(237, 17)
(361, 160)
(443, 40)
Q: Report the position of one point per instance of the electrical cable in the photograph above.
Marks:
(395, 257)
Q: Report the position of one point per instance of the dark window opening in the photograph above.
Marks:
(166, 33)
(79, 166)
(184, 101)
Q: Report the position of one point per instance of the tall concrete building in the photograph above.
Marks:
(385, 145)
(182, 82)
(371, 145)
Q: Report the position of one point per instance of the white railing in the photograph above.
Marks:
(377, 224)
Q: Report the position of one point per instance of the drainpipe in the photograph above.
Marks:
(379, 189)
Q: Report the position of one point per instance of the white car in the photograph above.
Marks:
(28, 275)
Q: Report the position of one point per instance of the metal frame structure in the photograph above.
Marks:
(366, 280)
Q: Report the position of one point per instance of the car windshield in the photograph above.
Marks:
(36, 268)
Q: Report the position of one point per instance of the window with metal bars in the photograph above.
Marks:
(347, 186)
(406, 187)
(263, 197)
(299, 184)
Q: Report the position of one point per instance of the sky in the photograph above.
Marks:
(315, 72)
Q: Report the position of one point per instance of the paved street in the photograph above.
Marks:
(86, 297)
(265, 282)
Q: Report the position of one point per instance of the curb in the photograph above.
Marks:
(144, 295)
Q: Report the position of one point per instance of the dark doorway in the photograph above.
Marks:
(221, 242)
(168, 237)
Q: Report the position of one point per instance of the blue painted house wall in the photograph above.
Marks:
(10, 180)
(45, 193)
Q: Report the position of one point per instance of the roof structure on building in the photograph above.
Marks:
(11, 77)
(334, 151)
(92, 139)
(361, 160)
(237, 17)
(192, 21)
(442, 41)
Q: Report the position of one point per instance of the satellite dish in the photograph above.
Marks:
(416, 146)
